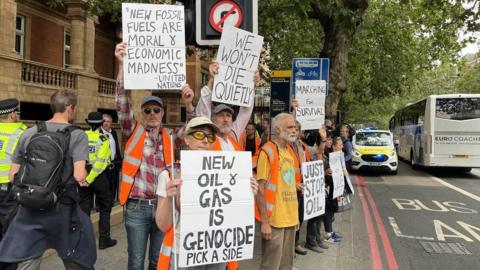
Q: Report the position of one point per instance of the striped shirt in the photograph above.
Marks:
(145, 181)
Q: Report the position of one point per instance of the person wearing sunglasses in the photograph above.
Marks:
(147, 153)
(199, 135)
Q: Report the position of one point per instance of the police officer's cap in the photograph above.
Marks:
(95, 118)
(9, 105)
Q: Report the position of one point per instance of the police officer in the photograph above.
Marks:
(97, 179)
(10, 130)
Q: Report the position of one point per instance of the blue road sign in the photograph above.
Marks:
(309, 69)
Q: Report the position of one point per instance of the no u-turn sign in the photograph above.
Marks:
(212, 15)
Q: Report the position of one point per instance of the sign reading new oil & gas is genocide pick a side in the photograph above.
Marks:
(155, 37)
(216, 212)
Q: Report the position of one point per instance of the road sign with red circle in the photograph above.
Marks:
(225, 12)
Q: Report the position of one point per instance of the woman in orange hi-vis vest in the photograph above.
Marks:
(200, 134)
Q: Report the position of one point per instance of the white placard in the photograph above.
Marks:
(155, 37)
(313, 189)
(310, 95)
(238, 57)
(335, 161)
(216, 203)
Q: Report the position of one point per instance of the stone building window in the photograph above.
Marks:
(20, 34)
(66, 49)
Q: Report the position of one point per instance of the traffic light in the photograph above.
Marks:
(189, 6)
(211, 15)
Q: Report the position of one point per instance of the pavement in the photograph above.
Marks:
(338, 256)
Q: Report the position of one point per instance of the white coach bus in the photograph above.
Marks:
(439, 131)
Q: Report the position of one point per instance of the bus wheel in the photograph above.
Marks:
(412, 161)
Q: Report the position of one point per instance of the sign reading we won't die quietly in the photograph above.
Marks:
(310, 95)
(313, 189)
(335, 161)
(238, 57)
(155, 37)
(217, 214)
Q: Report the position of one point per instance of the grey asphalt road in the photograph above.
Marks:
(430, 218)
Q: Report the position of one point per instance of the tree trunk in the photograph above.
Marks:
(336, 47)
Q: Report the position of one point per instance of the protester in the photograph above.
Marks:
(147, 152)
(64, 227)
(347, 145)
(277, 195)
(314, 239)
(265, 131)
(302, 154)
(97, 179)
(250, 141)
(200, 134)
(10, 130)
(113, 170)
(331, 204)
(222, 115)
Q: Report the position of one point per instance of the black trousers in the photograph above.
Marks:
(101, 189)
(8, 208)
(113, 175)
(313, 231)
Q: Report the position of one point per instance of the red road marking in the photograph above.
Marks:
(225, 16)
(391, 261)
(376, 259)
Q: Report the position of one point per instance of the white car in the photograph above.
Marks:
(375, 150)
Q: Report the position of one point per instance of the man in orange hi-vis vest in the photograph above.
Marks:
(277, 195)
(147, 153)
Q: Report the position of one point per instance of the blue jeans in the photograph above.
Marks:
(140, 225)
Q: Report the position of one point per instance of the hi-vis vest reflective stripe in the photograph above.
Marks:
(217, 145)
(166, 251)
(271, 149)
(9, 135)
(133, 158)
(302, 155)
(99, 153)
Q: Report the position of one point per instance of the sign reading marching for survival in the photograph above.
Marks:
(310, 95)
(238, 57)
(313, 189)
(335, 161)
(155, 37)
(217, 214)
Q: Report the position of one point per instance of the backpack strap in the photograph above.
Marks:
(41, 126)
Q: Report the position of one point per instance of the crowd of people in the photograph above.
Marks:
(150, 182)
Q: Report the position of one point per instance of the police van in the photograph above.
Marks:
(375, 150)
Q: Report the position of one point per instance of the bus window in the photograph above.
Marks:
(457, 108)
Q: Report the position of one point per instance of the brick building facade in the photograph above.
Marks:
(43, 49)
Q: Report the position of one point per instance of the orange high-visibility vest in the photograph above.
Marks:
(133, 158)
(217, 145)
(302, 155)
(271, 149)
(243, 142)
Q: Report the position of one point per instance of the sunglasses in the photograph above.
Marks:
(200, 135)
(154, 110)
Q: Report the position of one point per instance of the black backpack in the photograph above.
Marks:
(39, 183)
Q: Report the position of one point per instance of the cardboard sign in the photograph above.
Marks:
(310, 95)
(217, 213)
(155, 37)
(335, 161)
(238, 57)
(313, 189)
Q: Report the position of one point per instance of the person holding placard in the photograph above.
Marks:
(331, 204)
(277, 195)
(222, 115)
(147, 153)
(199, 134)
